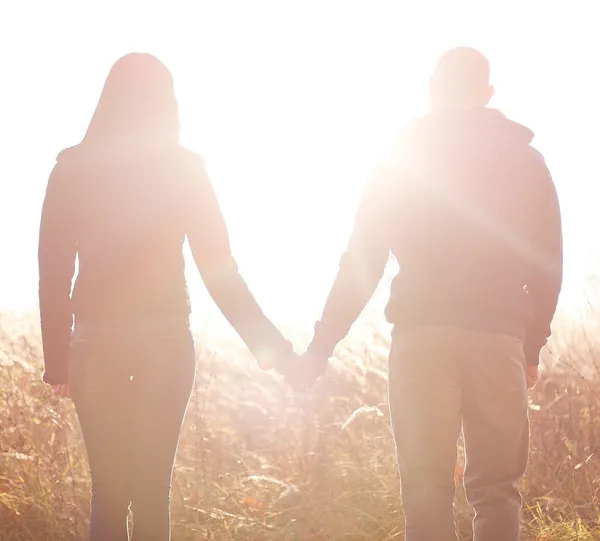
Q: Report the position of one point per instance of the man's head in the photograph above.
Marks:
(461, 79)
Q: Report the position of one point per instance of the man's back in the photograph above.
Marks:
(469, 209)
(467, 193)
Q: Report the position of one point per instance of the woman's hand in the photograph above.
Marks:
(302, 371)
(61, 390)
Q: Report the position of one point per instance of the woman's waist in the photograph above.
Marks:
(156, 325)
(130, 302)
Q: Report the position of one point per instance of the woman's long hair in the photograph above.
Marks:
(137, 104)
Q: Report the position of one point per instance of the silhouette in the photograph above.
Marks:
(122, 203)
(470, 211)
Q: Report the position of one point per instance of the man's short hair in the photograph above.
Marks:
(462, 72)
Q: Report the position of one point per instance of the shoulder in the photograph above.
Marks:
(188, 164)
(535, 156)
(62, 171)
(68, 157)
(188, 157)
(538, 166)
(536, 176)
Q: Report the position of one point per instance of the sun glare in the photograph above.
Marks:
(291, 107)
(290, 189)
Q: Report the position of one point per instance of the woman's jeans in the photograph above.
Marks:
(131, 383)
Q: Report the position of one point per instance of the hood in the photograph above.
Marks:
(480, 125)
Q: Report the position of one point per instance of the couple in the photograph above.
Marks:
(465, 204)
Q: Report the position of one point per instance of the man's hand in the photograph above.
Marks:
(302, 371)
(61, 390)
(533, 374)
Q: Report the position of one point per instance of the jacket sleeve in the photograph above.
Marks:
(361, 266)
(57, 251)
(545, 282)
(209, 242)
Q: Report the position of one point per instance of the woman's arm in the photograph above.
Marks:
(57, 251)
(209, 242)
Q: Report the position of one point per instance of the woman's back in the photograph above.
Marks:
(127, 210)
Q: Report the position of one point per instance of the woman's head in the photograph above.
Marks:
(137, 103)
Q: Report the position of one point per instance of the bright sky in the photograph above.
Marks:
(291, 104)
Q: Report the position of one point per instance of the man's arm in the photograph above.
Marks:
(545, 282)
(361, 266)
(209, 242)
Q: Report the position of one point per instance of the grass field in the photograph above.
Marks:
(257, 462)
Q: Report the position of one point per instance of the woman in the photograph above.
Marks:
(122, 203)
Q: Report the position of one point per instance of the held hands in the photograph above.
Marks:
(302, 371)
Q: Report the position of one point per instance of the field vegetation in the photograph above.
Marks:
(258, 462)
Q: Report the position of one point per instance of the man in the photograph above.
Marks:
(470, 211)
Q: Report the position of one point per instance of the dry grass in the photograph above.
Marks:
(257, 462)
